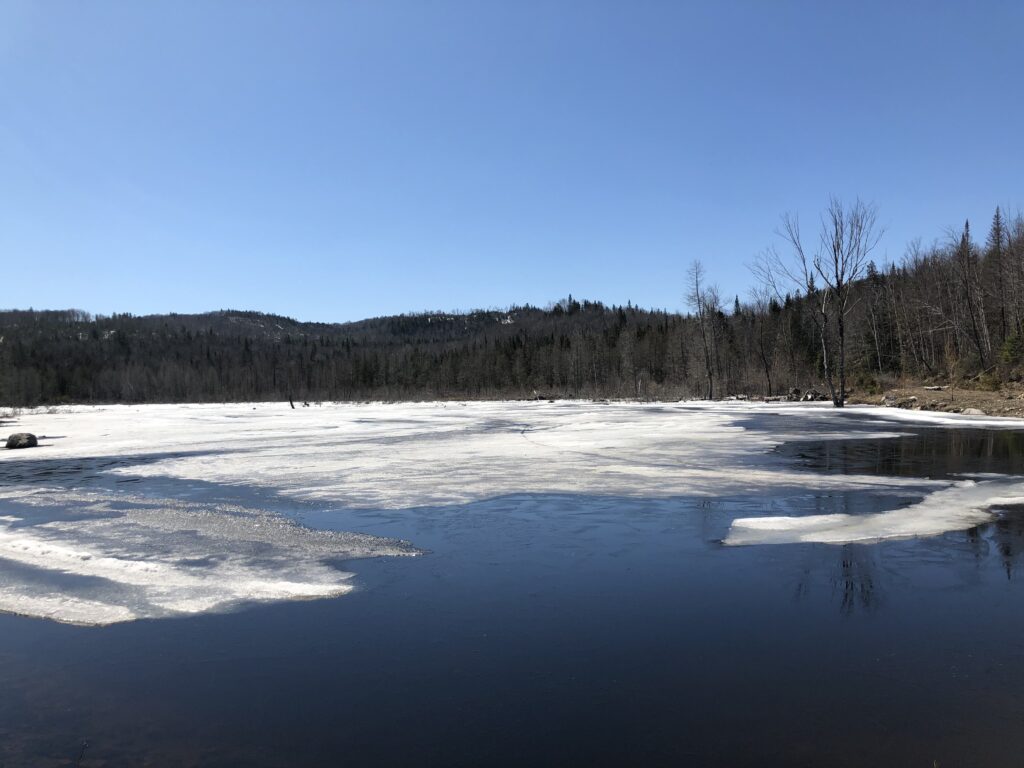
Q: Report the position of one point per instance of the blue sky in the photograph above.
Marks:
(338, 160)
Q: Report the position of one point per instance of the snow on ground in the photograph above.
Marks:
(151, 511)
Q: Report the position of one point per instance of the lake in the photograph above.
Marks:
(574, 599)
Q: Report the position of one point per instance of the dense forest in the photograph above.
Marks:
(826, 317)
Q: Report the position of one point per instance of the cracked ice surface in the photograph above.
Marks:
(151, 511)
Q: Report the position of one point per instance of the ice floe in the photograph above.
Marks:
(963, 505)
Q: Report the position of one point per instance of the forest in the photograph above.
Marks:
(823, 316)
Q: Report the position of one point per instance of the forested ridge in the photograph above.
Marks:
(953, 311)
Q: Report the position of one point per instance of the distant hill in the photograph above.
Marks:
(570, 349)
(950, 313)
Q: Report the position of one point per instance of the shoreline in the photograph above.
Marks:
(1006, 402)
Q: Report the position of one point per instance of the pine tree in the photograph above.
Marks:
(994, 259)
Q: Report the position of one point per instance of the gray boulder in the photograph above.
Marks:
(22, 440)
(973, 412)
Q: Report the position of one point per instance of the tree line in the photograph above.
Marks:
(822, 315)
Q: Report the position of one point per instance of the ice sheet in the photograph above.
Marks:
(151, 511)
(404, 455)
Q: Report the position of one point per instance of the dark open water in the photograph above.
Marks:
(574, 630)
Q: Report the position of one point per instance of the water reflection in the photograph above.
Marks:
(848, 570)
(1008, 535)
(929, 452)
(856, 581)
(853, 581)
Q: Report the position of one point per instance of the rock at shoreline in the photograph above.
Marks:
(973, 412)
(22, 440)
(814, 396)
(895, 400)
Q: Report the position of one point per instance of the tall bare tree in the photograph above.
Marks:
(704, 301)
(846, 238)
(764, 317)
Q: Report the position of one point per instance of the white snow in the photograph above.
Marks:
(153, 511)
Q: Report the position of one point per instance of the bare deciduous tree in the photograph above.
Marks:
(765, 310)
(847, 236)
(704, 301)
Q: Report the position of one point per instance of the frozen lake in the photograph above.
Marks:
(511, 583)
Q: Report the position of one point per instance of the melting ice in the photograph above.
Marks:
(154, 511)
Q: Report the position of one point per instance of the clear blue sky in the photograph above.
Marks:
(337, 160)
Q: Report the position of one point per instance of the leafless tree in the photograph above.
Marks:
(847, 237)
(704, 301)
(765, 332)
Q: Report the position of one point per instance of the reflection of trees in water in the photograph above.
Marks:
(977, 544)
(854, 572)
(1008, 538)
(849, 570)
(853, 580)
(929, 453)
(1003, 538)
